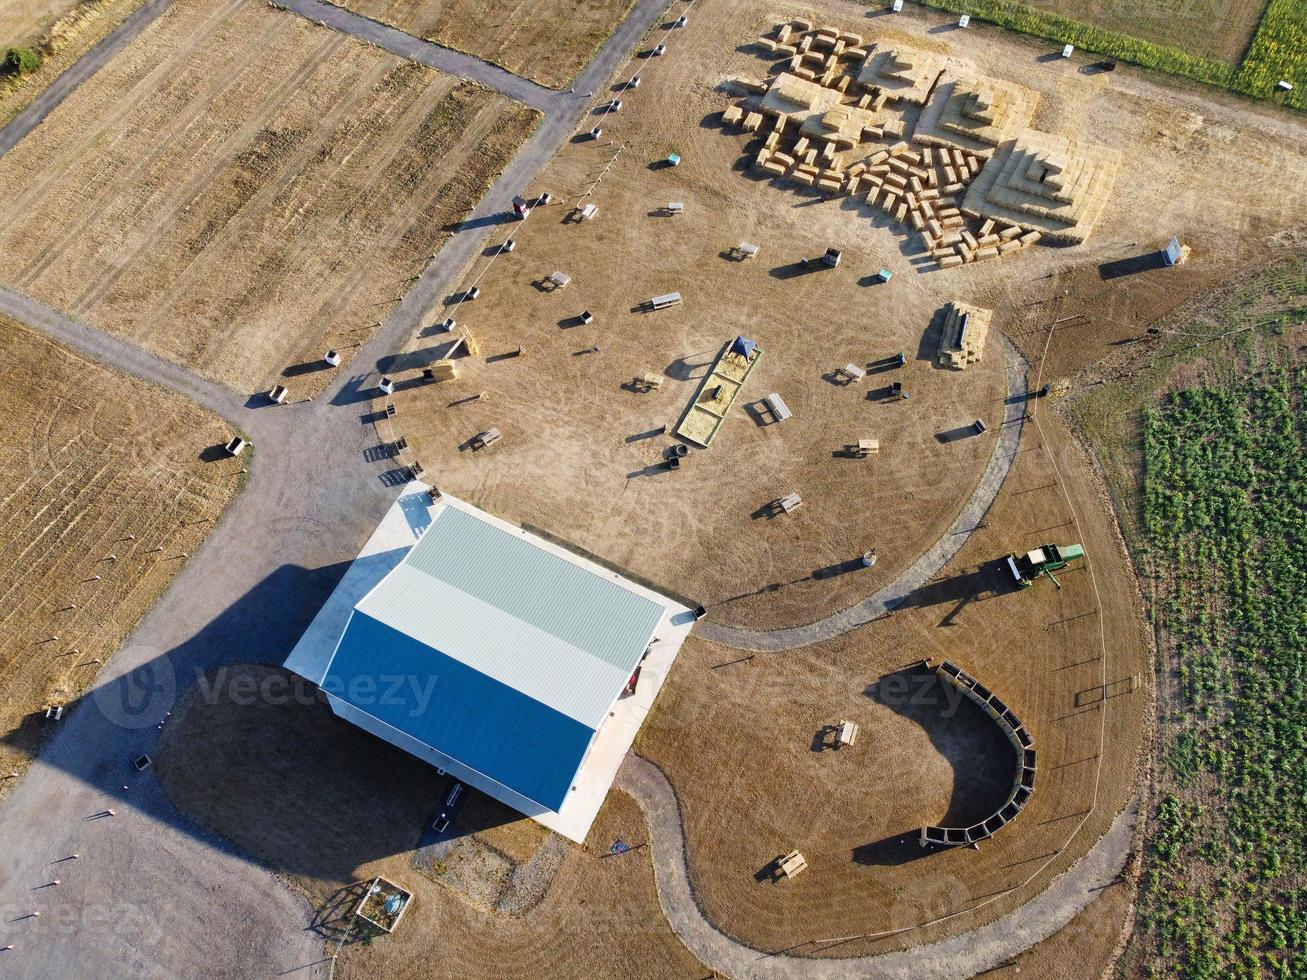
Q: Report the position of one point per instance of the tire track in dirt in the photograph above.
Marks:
(257, 207)
(148, 84)
(178, 126)
(192, 188)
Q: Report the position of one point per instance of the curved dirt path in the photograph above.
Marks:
(967, 954)
(928, 565)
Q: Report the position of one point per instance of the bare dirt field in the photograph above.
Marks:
(580, 455)
(105, 493)
(369, 804)
(246, 189)
(547, 43)
(920, 757)
(63, 30)
(1209, 28)
(583, 452)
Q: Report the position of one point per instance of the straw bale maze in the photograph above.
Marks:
(963, 169)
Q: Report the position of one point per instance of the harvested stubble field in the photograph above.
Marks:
(96, 465)
(62, 30)
(370, 803)
(546, 42)
(240, 190)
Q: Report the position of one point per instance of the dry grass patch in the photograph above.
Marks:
(96, 465)
(240, 190)
(548, 43)
(740, 740)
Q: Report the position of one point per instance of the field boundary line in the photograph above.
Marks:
(423, 52)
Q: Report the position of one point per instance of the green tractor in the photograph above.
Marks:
(1044, 560)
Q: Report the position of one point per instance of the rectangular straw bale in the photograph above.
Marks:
(988, 252)
(1007, 247)
(900, 213)
(985, 240)
(918, 222)
(1030, 237)
(954, 188)
(1010, 232)
(950, 261)
(987, 227)
(970, 239)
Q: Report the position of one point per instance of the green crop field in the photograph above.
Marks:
(1278, 49)
(1210, 483)
(1225, 517)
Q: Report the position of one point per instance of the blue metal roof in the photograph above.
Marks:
(488, 726)
(494, 648)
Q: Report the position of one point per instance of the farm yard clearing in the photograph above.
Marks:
(259, 193)
(328, 847)
(547, 43)
(108, 495)
(567, 391)
(580, 424)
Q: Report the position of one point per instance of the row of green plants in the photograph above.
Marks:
(1224, 553)
(1278, 49)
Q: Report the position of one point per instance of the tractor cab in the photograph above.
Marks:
(1044, 560)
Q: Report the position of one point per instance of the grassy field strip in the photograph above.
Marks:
(1278, 49)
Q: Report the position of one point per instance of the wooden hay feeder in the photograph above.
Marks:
(278, 395)
(236, 446)
(332, 357)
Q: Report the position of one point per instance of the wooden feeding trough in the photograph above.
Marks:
(332, 357)
(236, 446)
(792, 864)
(387, 386)
(847, 734)
(278, 395)
(383, 904)
(558, 280)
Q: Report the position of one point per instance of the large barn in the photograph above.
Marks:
(497, 656)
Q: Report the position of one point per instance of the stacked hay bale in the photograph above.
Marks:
(974, 114)
(1045, 185)
(962, 341)
(900, 72)
(976, 183)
